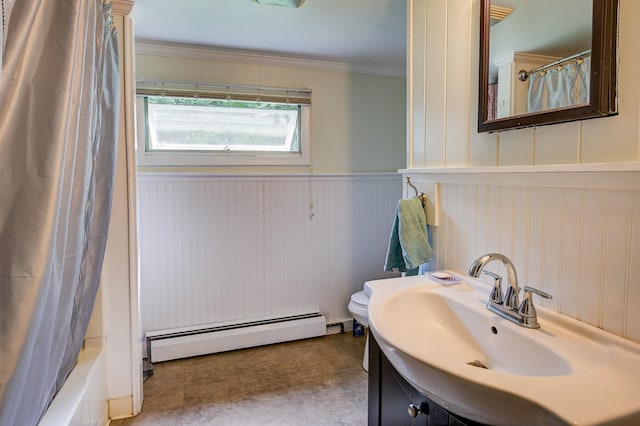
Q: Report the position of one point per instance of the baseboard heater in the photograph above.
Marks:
(165, 345)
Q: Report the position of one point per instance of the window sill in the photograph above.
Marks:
(220, 159)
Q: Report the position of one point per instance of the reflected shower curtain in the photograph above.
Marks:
(560, 87)
(58, 130)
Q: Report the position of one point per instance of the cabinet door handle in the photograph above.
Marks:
(415, 410)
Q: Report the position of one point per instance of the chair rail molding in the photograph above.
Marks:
(622, 176)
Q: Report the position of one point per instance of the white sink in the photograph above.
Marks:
(444, 341)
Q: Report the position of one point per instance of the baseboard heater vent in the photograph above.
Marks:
(186, 342)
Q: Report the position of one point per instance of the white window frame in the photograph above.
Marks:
(217, 158)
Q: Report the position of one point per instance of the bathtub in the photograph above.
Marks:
(82, 400)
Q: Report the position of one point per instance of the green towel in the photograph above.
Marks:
(408, 243)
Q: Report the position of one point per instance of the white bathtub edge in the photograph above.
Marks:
(82, 400)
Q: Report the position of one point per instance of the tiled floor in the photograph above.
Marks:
(317, 381)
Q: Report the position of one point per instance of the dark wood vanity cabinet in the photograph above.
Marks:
(390, 396)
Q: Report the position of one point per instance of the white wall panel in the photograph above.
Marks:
(520, 252)
(458, 83)
(191, 243)
(435, 85)
(616, 258)
(552, 245)
(416, 87)
(573, 242)
(632, 316)
(452, 31)
(558, 144)
(287, 262)
(578, 244)
(537, 230)
(216, 249)
(594, 238)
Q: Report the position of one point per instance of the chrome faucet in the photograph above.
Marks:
(511, 295)
(523, 314)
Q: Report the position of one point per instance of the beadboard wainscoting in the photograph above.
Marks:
(216, 248)
(573, 231)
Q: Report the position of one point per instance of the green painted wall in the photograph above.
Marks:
(357, 120)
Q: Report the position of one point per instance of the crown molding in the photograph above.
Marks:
(187, 51)
(122, 7)
(498, 13)
(516, 57)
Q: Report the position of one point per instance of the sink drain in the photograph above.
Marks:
(478, 364)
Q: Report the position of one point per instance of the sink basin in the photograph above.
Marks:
(442, 339)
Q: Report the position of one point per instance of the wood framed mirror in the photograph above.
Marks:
(581, 41)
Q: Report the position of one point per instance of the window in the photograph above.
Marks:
(223, 128)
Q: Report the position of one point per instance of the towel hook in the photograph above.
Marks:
(421, 196)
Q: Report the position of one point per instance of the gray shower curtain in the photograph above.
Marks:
(560, 87)
(58, 130)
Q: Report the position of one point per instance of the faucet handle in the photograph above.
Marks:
(511, 297)
(537, 291)
(496, 292)
(527, 308)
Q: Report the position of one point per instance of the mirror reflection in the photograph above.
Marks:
(539, 56)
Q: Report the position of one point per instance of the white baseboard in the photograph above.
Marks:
(121, 408)
(220, 338)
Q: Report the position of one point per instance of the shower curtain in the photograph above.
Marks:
(560, 87)
(58, 129)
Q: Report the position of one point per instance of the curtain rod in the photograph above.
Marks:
(524, 74)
